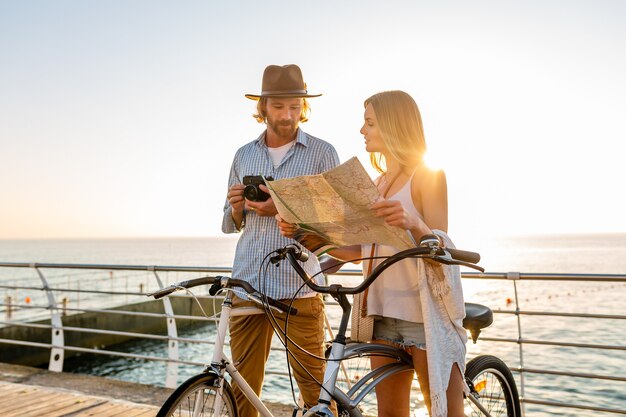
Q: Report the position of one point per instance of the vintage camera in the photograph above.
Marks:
(252, 191)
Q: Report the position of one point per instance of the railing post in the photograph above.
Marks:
(171, 379)
(515, 276)
(57, 352)
(9, 306)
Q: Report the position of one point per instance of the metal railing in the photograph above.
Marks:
(66, 291)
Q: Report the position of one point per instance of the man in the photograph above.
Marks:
(283, 150)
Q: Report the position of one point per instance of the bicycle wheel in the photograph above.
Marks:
(197, 397)
(493, 386)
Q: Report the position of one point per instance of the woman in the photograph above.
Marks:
(408, 311)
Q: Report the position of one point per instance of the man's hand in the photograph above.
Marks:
(235, 198)
(262, 208)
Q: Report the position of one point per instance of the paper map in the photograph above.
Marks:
(335, 205)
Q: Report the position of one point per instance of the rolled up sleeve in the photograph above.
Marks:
(228, 224)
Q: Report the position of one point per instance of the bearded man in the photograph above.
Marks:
(283, 150)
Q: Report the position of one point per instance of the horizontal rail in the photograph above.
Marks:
(560, 314)
(552, 343)
(341, 272)
(531, 276)
(571, 374)
(576, 406)
(149, 268)
(120, 312)
(74, 290)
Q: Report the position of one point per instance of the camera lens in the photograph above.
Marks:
(250, 193)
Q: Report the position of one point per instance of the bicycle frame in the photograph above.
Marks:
(221, 363)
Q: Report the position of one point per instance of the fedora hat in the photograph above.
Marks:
(282, 82)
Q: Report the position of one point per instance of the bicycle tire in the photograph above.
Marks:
(183, 400)
(493, 386)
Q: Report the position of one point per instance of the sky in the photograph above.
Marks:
(121, 119)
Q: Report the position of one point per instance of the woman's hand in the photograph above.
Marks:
(394, 214)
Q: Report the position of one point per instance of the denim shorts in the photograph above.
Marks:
(400, 332)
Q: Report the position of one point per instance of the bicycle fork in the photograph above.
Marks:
(473, 397)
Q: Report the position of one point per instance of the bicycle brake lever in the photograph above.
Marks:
(447, 259)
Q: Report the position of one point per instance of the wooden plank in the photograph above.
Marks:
(32, 401)
(6, 387)
(139, 412)
(148, 413)
(115, 409)
(70, 404)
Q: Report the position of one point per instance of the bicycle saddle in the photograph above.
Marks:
(477, 316)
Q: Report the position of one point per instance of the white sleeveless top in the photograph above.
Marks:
(395, 293)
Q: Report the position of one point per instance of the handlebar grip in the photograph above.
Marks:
(463, 255)
(183, 284)
(163, 292)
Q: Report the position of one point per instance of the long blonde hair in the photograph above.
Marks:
(262, 102)
(400, 124)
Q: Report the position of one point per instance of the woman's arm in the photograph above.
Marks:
(433, 192)
(314, 243)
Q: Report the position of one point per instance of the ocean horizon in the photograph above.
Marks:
(599, 253)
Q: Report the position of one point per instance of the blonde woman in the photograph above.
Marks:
(408, 312)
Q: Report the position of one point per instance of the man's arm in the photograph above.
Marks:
(234, 218)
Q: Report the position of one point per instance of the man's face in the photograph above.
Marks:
(283, 116)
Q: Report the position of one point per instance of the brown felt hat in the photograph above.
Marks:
(282, 82)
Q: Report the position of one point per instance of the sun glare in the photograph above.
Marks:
(433, 160)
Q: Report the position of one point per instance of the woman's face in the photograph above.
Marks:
(373, 138)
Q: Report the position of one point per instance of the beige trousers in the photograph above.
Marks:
(250, 340)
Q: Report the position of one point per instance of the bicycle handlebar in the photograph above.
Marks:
(429, 248)
(222, 282)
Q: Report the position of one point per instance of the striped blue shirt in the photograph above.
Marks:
(260, 235)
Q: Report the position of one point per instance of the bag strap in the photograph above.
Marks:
(371, 260)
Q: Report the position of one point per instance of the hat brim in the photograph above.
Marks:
(257, 97)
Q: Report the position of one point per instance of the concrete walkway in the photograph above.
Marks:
(33, 392)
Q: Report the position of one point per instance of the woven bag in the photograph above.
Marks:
(362, 325)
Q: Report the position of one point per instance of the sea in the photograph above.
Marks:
(550, 254)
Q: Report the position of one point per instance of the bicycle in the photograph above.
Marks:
(491, 385)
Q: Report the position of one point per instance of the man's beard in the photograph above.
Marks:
(284, 129)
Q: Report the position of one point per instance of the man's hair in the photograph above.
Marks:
(262, 102)
(400, 125)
